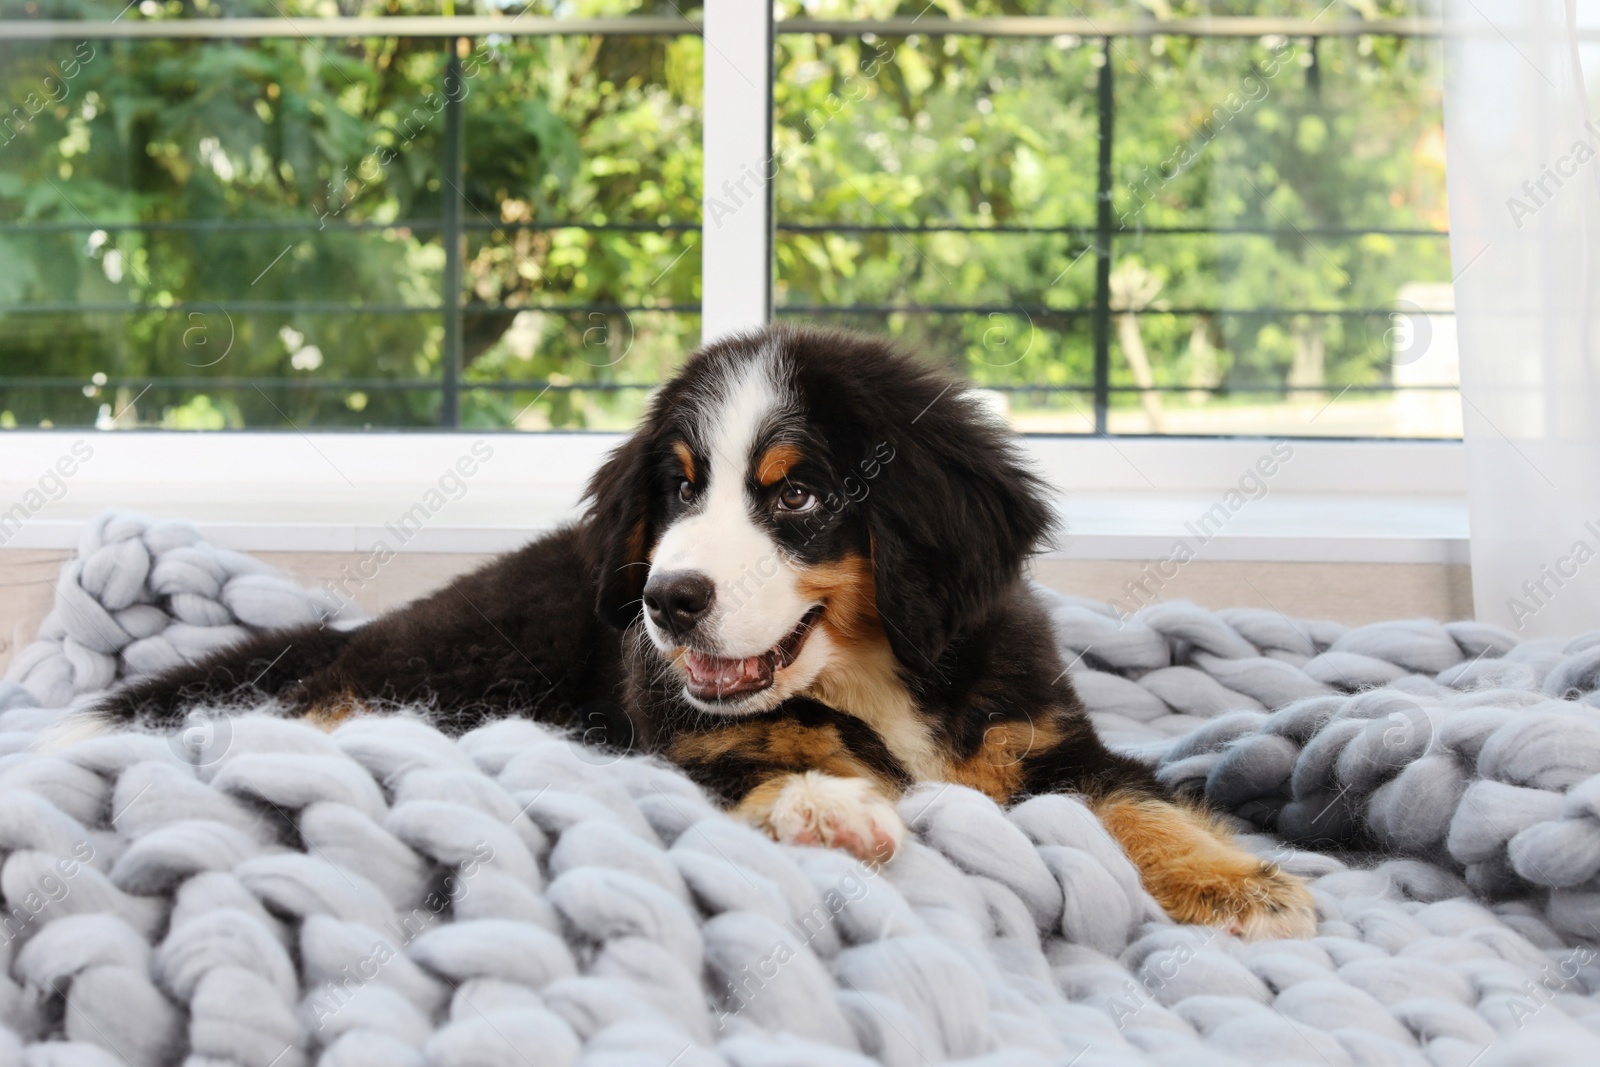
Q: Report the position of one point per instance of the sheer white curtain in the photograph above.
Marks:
(1524, 186)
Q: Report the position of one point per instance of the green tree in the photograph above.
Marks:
(310, 296)
(325, 161)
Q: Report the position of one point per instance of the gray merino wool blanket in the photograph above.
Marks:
(252, 891)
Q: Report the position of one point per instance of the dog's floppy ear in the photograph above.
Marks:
(619, 530)
(953, 513)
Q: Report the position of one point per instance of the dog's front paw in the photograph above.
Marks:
(822, 809)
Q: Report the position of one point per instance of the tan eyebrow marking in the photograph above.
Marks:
(685, 459)
(775, 463)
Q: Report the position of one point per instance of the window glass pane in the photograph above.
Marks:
(252, 233)
(255, 231)
(1276, 259)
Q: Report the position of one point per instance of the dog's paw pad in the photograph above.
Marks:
(823, 809)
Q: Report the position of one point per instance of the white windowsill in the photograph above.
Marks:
(1332, 501)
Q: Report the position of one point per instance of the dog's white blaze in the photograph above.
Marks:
(757, 601)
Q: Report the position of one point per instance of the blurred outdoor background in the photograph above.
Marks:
(211, 234)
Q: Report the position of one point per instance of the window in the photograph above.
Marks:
(323, 225)
(1199, 225)
(1218, 230)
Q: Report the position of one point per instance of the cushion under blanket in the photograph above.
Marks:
(251, 890)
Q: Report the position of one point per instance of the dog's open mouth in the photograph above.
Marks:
(714, 678)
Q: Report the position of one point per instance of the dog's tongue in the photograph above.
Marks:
(712, 677)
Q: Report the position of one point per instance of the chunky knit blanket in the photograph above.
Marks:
(253, 891)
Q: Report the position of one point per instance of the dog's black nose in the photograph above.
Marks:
(678, 599)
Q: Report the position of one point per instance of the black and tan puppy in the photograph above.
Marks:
(800, 580)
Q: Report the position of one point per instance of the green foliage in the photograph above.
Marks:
(1210, 134)
(314, 299)
(325, 161)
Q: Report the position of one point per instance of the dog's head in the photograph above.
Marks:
(795, 491)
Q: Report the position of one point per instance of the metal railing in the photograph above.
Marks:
(453, 226)
(1103, 234)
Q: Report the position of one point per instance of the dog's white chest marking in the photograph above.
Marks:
(865, 684)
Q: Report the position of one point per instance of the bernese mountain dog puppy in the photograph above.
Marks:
(800, 580)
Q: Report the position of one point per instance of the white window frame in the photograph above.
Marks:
(1119, 498)
(286, 491)
(736, 206)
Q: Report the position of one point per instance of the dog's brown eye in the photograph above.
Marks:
(686, 490)
(796, 499)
